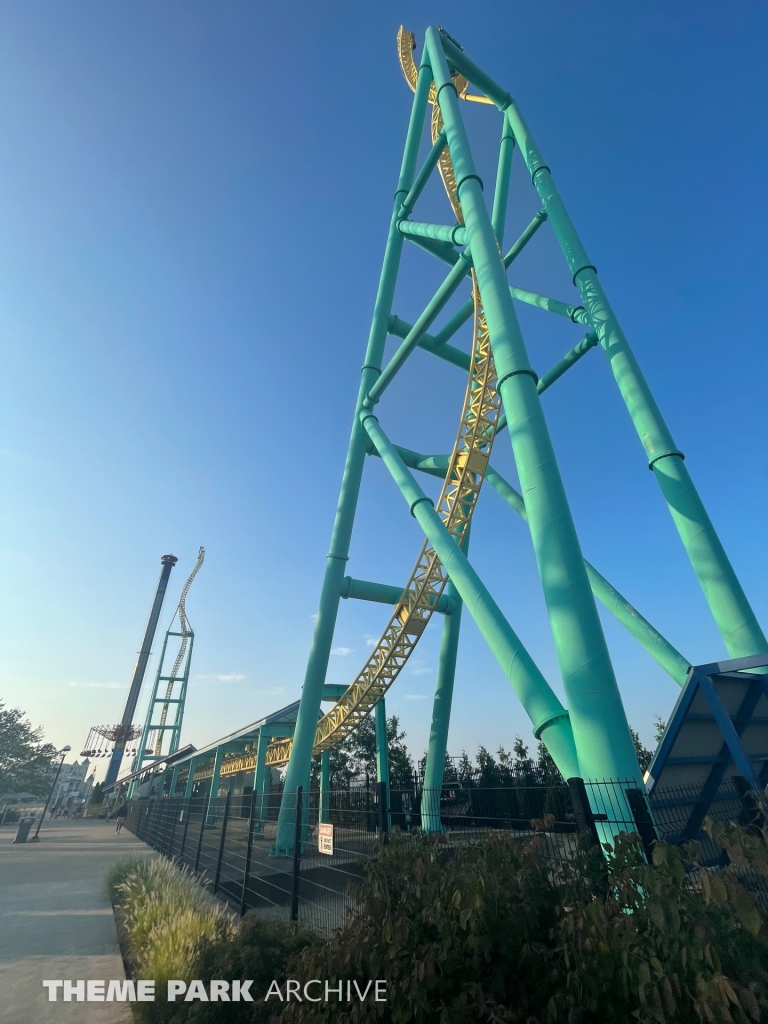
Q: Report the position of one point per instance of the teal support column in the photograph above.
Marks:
(190, 779)
(261, 780)
(600, 728)
(325, 787)
(298, 771)
(549, 717)
(501, 194)
(382, 745)
(174, 781)
(210, 816)
(441, 717)
(729, 605)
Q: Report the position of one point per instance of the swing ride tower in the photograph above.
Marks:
(588, 735)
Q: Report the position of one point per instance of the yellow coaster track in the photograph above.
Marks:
(456, 504)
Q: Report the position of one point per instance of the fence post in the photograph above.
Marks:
(638, 805)
(582, 812)
(221, 845)
(185, 812)
(296, 855)
(248, 852)
(383, 811)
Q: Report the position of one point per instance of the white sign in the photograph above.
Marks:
(325, 839)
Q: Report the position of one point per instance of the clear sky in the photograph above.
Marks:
(195, 199)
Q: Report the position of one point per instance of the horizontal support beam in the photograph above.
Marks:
(420, 328)
(382, 593)
(332, 691)
(401, 329)
(455, 234)
(577, 314)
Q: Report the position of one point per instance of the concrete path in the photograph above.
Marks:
(56, 920)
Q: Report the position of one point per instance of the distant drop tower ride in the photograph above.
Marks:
(168, 562)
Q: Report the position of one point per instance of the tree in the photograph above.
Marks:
(97, 796)
(356, 756)
(26, 763)
(644, 756)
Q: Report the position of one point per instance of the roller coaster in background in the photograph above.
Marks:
(720, 723)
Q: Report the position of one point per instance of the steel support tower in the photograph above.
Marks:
(153, 734)
(589, 735)
(168, 562)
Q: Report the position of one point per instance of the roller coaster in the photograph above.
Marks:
(720, 724)
(590, 736)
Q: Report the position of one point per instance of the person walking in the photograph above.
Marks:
(121, 814)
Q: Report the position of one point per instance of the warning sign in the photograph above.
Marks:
(325, 839)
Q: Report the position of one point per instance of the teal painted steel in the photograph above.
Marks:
(729, 605)
(423, 176)
(190, 778)
(524, 238)
(402, 329)
(600, 728)
(382, 744)
(441, 714)
(262, 776)
(588, 342)
(442, 250)
(501, 192)
(383, 593)
(549, 717)
(436, 304)
(660, 649)
(577, 314)
(325, 787)
(298, 771)
(453, 233)
(213, 792)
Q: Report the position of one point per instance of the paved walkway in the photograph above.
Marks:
(57, 920)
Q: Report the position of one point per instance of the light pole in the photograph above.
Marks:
(64, 752)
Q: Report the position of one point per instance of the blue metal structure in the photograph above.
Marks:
(718, 732)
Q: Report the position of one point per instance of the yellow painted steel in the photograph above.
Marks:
(466, 471)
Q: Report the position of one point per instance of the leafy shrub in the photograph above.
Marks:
(493, 933)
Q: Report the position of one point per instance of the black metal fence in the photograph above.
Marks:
(310, 872)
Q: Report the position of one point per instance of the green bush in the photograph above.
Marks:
(492, 933)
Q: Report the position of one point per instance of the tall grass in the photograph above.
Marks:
(168, 917)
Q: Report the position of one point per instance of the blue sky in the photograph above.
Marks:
(195, 203)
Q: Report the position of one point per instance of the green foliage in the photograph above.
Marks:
(97, 795)
(644, 756)
(176, 930)
(169, 919)
(26, 763)
(356, 756)
(259, 949)
(492, 933)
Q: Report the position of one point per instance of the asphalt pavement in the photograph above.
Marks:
(56, 920)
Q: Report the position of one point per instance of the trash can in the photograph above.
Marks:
(23, 830)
